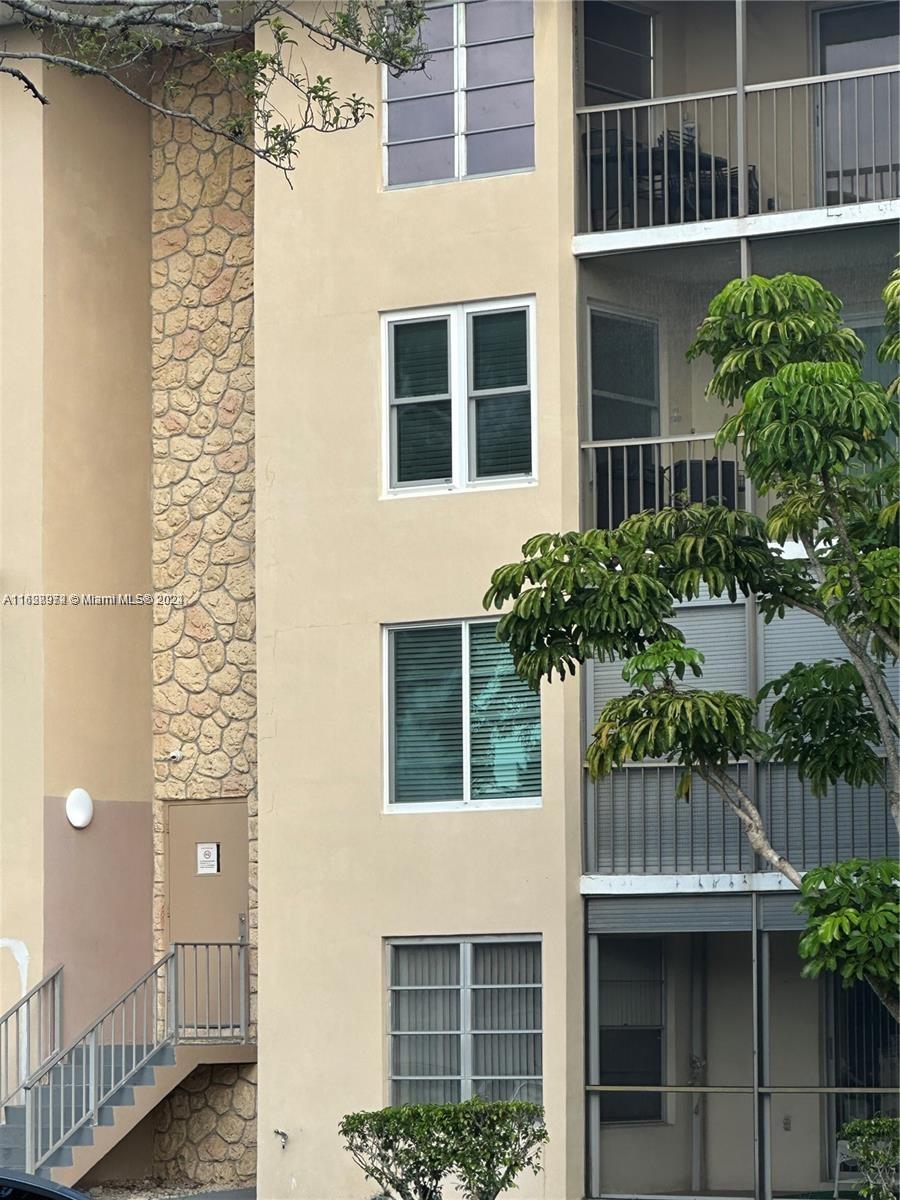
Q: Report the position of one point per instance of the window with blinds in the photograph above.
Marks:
(463, 727)
(460, 396)
(470, 111)
(465, 1020)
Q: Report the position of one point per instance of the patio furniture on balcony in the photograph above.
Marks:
(798, 143)
(634, 184)
(630, 477)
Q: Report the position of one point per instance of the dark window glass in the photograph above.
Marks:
(489, 19)
(499, 62)
(624, 377)
(512, 150)
(420, 162)
(500, 424)
(422, 118)
(494, 108)
(503, 435)
(617, 25)
(436, 76)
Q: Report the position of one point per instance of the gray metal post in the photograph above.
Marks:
(740, 109)
(762, 1174)
(57, 1011)
(245, 988)
(29, 1130)
(94, 1074)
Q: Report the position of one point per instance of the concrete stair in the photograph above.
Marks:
(67, 1084)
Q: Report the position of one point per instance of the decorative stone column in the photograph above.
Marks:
(204, 652)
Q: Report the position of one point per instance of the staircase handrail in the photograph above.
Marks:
(110, 1051)
(18, 1017)
(76, 1041)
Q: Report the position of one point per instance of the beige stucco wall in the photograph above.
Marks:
(75, 479)
(21, 430)
(336, 562)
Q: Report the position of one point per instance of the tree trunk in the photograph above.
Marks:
(887, 993)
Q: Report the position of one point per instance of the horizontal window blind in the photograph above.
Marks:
(427, 714)
(432, 669)
(505, 721)
(421, 358)
(424, 442)
(498, 349)
(469, 1025)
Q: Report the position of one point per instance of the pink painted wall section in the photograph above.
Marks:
(97, 903)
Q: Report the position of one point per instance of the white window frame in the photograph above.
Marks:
(465, 988)
(458, 317)
(467, 804)
(459, 109)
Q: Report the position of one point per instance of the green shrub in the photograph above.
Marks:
(874, 1143)
(494, 1143)
(404, 1150)
(409, 1151)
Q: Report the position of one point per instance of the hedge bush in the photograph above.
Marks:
(874, 1143)
(409, 1151)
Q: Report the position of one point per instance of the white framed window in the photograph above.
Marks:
(462, 730)
(459, 396)
(464, 1019)
(470, 111)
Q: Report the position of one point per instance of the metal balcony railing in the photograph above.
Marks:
(627, 476)
(802, 143)
(637, 826)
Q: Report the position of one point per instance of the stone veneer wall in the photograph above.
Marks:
(205, 1130)
(204, 652)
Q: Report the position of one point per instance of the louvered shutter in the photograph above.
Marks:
(505, 722)
(427, 726)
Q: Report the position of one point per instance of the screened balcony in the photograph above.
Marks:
(682, 120)
(636, 824)
(713, 1067)
(648, 424)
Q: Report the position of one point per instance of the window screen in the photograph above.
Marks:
(624, 377)
(618, 53)
(465, 1020)
(471, 110)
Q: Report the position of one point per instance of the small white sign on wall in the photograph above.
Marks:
(208, 858)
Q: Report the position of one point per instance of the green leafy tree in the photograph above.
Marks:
(136, 44)
(874, 1143)
(818, 442)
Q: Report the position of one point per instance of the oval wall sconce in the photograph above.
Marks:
(79, 808)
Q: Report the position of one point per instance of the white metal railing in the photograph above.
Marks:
(627, 476)
(197, 992)
(29, 1035)
(803, 143)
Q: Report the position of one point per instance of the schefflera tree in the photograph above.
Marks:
(818, 443)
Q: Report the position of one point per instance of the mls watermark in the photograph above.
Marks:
(92, 599)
